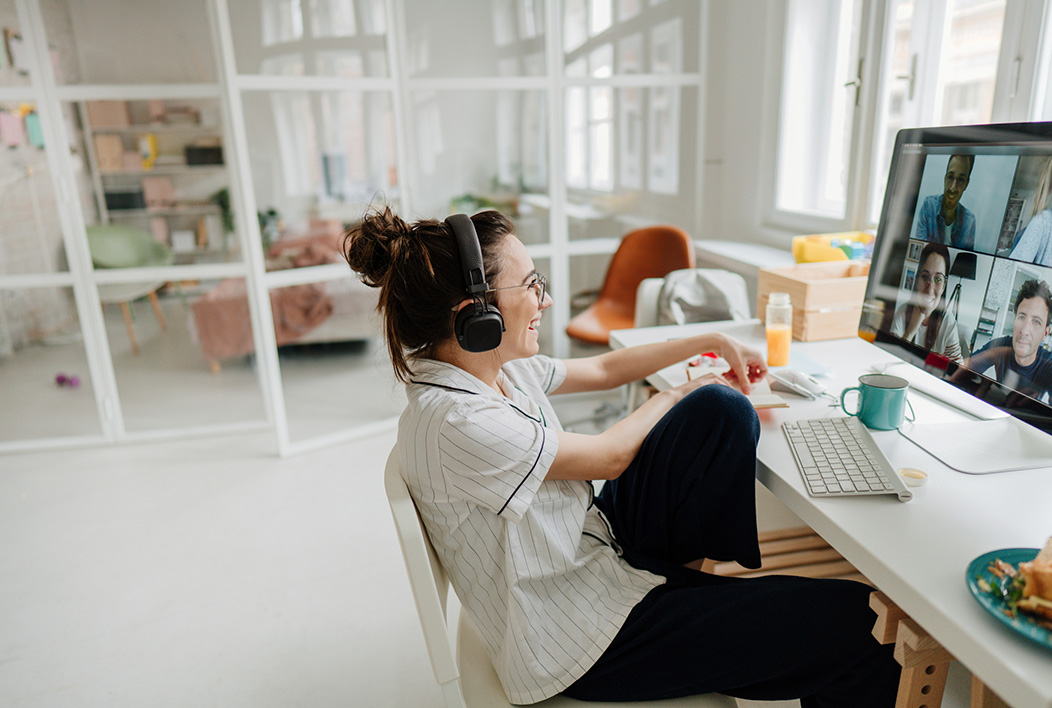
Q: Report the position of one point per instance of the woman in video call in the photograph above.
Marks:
(595, 595)
(1035, 243)
(924, 320)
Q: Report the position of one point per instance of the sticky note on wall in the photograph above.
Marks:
(11, 131)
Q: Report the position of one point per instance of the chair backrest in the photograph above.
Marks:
(650, 252)
(427, 579)
(692, 295)
(122, 246)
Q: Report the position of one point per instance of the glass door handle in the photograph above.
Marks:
(911, 77)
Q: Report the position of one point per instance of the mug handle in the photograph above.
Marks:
(843, 395)
(914, 415)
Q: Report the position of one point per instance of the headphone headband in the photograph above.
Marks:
(470, 253)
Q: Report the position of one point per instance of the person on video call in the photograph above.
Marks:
(1019, 361)
(923, 319)
(597, 596)
(1035, 243)
(943, 219)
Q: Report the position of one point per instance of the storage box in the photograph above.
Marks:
(108, 114)
(127, 199)
(158, 192)
(109, 151)
(826, 297)
(204, 155)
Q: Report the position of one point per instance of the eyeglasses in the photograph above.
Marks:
(539, 283)
(927, 278)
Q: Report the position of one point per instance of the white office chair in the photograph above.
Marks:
(469, 680)
(689, 291)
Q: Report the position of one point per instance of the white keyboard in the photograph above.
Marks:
(838, 457)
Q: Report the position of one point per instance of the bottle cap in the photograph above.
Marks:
(779, 298)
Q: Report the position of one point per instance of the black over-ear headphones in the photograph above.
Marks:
(478, 326)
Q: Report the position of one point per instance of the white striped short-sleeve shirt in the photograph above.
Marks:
(532, 562)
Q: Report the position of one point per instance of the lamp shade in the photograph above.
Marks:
(964, 266)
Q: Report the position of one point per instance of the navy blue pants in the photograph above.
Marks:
(690, 494)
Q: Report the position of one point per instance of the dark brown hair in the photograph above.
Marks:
(418, 270)
(1035, 288)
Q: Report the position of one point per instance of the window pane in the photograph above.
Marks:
(478, 38)
(899, 68)
(183, 360)
(639, 162)
(30, 231)
(318, 156)
(817, 108)
(335, 373)
(43, 367)
(481, 149)
(647, 40)
(157, 166)
(969, 62)
(16, 71)
(158, 42)
(345, 38)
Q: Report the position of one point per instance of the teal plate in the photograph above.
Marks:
(978, 568)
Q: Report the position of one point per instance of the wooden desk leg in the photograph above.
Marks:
(983, 697)
(888, 616)
(925, 664)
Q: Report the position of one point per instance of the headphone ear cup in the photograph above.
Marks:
(478, 327)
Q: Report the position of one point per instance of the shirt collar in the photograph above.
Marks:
(439, 373)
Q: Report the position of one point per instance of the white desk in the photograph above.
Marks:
(915, 552)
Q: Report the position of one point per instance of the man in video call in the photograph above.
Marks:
(1019, 361)
(943, 219)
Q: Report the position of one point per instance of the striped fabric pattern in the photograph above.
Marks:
(531, 561)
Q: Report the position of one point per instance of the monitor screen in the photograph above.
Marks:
(962, 263)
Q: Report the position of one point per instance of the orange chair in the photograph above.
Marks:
(651, 252)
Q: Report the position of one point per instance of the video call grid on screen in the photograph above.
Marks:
(998, 182)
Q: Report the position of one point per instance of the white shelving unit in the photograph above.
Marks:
(191, 184)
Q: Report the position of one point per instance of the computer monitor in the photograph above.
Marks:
(961, 274)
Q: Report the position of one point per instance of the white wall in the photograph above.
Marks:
(741, 113)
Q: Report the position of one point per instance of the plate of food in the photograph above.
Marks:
(1015, 586)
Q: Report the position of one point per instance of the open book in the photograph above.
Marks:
(760, 396)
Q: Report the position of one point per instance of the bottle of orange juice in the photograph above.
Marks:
(779, 324)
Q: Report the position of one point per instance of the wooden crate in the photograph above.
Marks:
(826, 297)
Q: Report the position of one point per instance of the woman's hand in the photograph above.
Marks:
(704, 380)
(747, 365)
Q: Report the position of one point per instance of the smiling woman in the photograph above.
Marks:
(564, 586)
(924, 319)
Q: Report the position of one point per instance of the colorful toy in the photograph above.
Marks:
(71, 381)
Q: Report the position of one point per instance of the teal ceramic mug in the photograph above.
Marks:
(881, 401)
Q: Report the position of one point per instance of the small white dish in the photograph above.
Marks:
(913, 477)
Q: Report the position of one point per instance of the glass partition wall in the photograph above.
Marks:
(173, 211)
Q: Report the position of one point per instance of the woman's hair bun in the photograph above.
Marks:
(375, 245)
